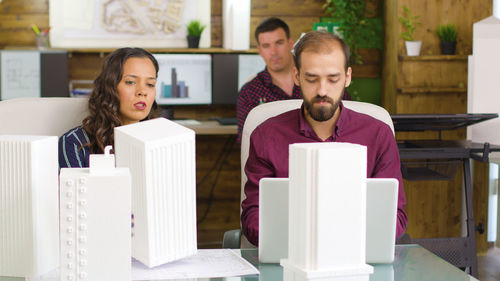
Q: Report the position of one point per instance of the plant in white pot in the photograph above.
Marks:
(410, 23)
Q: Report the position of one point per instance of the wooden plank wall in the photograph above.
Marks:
(434, 207)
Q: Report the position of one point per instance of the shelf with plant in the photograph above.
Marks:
(410, 23)
(447, 34)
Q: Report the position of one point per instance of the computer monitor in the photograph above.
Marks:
(184, 79)
(248, 66)
(161, 157)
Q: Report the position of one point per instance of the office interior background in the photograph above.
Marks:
(429, 83)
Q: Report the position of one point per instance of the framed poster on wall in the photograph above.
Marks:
(126, 23)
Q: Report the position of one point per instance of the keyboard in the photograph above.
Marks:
(227, 120)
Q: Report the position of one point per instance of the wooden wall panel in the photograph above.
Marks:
(433, 207)
(462, 13)
(84, 66)
(433, 74)
(24, 7)
(216, 22)
(16, 29)
(280, 8)
(390, 58)
(432, 103)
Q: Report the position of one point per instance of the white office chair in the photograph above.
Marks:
(265, 111)
(41, 116)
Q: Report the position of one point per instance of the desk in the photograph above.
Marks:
(460, 251)
(412, 262)
(209, 127)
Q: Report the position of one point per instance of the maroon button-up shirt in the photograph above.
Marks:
(260, 90)
(268, 156)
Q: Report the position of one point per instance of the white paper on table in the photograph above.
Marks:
(205, 264)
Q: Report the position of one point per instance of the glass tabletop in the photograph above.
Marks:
(412, 262)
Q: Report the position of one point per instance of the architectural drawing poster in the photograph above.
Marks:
(126, 23)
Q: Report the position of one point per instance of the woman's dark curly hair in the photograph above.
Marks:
(104, 102)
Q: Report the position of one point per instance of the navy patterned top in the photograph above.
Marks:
(73, 153)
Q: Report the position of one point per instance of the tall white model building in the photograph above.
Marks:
(95, 221)
(161, 157)
(327, 213)
(29, 217)
(236, 24)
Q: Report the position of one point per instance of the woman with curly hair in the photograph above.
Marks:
(124, 93)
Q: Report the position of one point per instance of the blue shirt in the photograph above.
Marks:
(73, 149)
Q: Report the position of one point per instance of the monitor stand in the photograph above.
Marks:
(166, 112)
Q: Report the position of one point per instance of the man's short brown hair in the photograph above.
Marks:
(319, 41)
(271, 24)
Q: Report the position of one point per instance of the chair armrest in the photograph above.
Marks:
(232, 239)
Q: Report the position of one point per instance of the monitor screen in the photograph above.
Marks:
(184, 79)
(248, 66)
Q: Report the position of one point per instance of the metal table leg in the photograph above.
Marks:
(459, 251)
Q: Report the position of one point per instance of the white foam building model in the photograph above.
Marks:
(483, 97)
(236, 24)
(95, 221)
(161, 157)
(29, 217)
(327, 213)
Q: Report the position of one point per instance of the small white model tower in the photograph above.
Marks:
(95, 230)
(29, 219)
(327, 213)
(161, 157)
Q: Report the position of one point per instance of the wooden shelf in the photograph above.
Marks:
(434, 58)
(171, 50)
(427, 90)
(152, 50)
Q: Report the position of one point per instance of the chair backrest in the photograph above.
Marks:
(41, 116)
(265, 111)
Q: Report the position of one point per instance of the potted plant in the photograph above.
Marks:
(448, 35)
(351, 20)
(194, 29)
(410, 23)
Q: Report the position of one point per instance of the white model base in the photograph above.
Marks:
(292, 272)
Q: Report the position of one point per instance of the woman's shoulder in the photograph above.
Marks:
(77, 134)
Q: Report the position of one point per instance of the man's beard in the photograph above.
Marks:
(321, 113)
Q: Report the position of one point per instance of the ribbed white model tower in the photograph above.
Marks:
(95, 221)
(161, 157)
(327, 213)
(29, 217)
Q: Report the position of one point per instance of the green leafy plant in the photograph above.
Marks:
(410, 23)
(355, 26)
(195, 28)
(447, 32)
